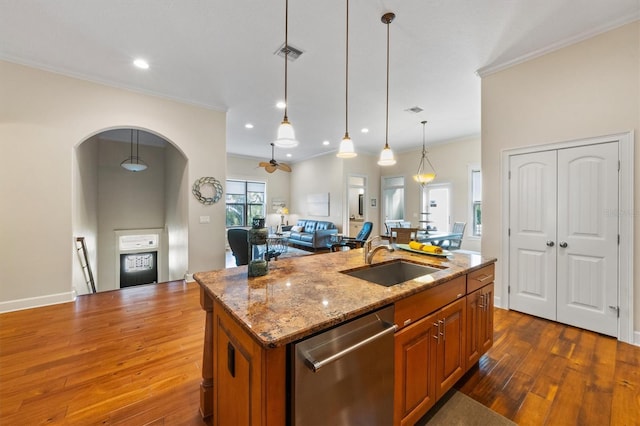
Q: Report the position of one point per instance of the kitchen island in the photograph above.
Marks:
(251, 323)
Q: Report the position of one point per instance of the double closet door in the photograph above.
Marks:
(563, 242)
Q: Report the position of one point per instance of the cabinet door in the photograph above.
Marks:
(414, 370)
(450, 365)
(474, 311)
(485, 340)
(232, 382)
(249, 382)
(479, 330)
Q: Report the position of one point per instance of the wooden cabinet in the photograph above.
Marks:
(441, 335)
(479, 332)
(239, 366)
(479, 323)
(429, 357)
(415, 384)
(450, 360)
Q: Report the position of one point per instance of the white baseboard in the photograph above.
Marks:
(35, 302)
(497, 302)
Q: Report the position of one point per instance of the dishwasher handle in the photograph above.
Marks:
(317, 365)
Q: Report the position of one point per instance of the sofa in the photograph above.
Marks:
(312, 233)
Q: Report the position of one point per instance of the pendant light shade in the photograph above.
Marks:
(134, 163)
(346, 148)
(386, 156)
(286, 137)
(426, 172)
(346, 145)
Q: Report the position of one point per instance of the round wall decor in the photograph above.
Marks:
(217, 190)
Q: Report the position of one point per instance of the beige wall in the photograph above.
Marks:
(451, 161)
(43, 117)
(588, 89)
(85, 210)
(177, 195)
(319, 175)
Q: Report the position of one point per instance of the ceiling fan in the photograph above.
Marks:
(272, 165)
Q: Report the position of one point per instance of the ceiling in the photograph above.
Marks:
(220, 55)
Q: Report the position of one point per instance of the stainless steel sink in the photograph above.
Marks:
(392, 272)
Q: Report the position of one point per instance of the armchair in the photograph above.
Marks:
(357, 241)
(239, 245)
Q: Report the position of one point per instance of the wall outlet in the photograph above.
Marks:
(205, 219)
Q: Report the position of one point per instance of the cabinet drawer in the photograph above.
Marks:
(414, 307)
(480, 278)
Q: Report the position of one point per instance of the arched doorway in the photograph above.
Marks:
(112, 205)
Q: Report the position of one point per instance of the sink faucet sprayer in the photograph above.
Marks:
(369, 252)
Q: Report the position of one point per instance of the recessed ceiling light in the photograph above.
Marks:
(281, 105)
(141, 63)
(325, 143)
(248, 126)
(364, 130)
(289, 155)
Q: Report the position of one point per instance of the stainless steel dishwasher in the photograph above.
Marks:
(344, 376)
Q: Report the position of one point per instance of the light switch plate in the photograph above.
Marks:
(205, 219)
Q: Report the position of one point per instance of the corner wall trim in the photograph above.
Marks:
(36, 302)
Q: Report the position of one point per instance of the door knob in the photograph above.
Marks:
(551, 243)
(563, 244)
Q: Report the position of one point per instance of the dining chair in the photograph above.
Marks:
(454, 244)
(404, 235)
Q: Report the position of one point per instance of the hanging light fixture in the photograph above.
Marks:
(386, 156)
(346, 145)
(134, 163)
(425, 174)
(286, 136)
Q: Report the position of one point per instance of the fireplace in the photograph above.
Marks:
(138, 268)
(139, 256)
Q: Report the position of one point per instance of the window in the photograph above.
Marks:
(476, 201)
(244, 201)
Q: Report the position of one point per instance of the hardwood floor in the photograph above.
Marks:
(544, 373)
(124, 357)
(133, 357)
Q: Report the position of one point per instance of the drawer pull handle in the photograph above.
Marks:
(231, 359)
(484, 278)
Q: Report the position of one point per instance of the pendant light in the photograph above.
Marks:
(425, 174)
(346, 145)
(386, 156)
(134, 163)
(286, 136)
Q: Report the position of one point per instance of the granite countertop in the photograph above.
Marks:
(303, 295)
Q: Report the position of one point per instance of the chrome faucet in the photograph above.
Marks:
(369, 252)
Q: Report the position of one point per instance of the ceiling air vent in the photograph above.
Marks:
(415, 109)
(294, 52)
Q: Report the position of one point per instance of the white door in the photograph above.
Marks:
(532, 250)
(588, 237)
(564, 236)
(438, 206)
